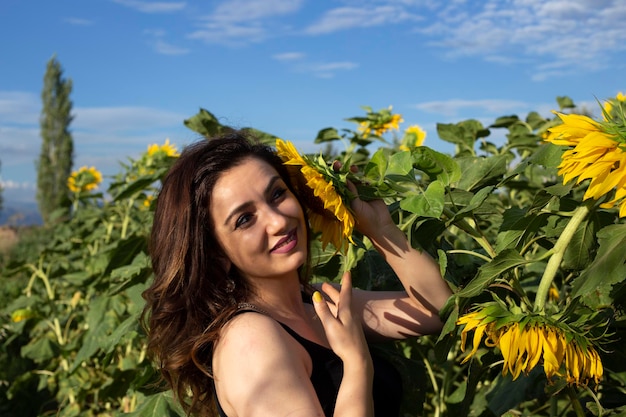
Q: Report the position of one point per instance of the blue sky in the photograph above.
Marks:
(291, 67)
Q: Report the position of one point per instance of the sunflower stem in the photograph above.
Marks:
(471, 230)
(558, 251)
(578, 409)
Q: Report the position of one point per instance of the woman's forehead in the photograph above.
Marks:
(252, 174)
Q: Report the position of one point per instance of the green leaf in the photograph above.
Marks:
(507, 393)
(377, 166)
(464, 134)
(547, 155)
(608, 268)
(400, 163)
(99, 324)
(40, 350)
(125, 252)
(505, 121)
(535, 120)
(139, 263)
(205, 123)
(430, 203)
(477, 171)
(565, 102)
(579, 250)
(161, 404)
(260, 136)
(477, 200)
(132, 189)
(487, 274)
(458, 394)
(436, 165)
(517, 227)
(129, 275)
(327, 135)
(124, 331)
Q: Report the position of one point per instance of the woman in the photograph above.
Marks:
(230, 321)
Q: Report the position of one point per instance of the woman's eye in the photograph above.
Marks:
(242, 220)
(278, 193)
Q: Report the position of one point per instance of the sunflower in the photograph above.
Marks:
(147, 202)
(597, 152)
(167, 149)
(85, 179)
(414, 136)
(525, 341)
(379, 123)
(327, 211)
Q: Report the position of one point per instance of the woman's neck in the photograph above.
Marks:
(279, 297)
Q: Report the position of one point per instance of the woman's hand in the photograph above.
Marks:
(372, 217)
(344, 331)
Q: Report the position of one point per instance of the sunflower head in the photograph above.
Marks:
(596, 151)
(526, 341)
(165, 150)
(414, 136)
(323, 194)
(85, 179)
(377, 123)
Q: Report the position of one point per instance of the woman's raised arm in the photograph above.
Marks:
(415, 310)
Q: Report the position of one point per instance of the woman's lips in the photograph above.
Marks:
(286, 244)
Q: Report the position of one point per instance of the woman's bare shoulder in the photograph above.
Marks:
(254, 339)
(256, 364)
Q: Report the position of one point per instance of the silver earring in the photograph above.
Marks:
(230, 286)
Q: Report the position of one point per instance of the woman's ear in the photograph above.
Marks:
(225, 263)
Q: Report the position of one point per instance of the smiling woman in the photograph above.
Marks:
(233, 323)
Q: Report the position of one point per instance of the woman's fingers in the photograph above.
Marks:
(337, 297)
(322, 310)
(345, 297)
(341, 299)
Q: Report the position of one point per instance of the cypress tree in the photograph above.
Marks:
(57, 147)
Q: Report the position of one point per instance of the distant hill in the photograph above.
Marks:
(20, 214)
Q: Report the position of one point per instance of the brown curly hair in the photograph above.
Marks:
(193, 296)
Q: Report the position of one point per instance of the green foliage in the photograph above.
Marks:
(491, 214)
(57, 147)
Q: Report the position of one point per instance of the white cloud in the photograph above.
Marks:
(289, 56)
(240, 22)
(165, 48)
(120, 119)
(103, 135)
(344, 18)
(569, 35)
(76, 21)
(297, 63)
(153, 6)
(18, 107)
(14, 185)
(247, 10)
(161, 46)
(329, 69)
(454, 107)
(231, 34)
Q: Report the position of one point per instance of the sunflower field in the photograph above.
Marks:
(528, 230)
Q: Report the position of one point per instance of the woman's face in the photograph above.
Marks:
(258, 221)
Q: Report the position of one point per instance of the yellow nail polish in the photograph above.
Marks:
(317, 297)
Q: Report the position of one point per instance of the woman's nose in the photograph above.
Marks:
(276, 221)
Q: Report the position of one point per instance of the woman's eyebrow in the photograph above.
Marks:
(247, 204)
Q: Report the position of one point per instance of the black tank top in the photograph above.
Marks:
(327, 374)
